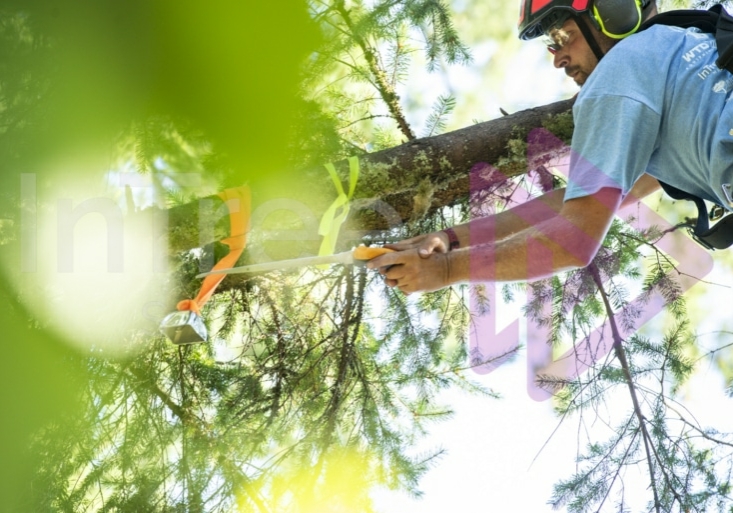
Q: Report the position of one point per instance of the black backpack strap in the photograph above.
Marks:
(724, 38)
(706, 21)
(719, 236)
(702, 225)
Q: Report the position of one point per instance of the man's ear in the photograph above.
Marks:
(617, 18)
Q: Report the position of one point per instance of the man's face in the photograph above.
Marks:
(571, 51)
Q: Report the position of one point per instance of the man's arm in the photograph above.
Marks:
(568, 240)
(491, 228)
(510, 222)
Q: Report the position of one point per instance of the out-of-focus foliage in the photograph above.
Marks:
(355, 79)
(40, 379)
(96, 66)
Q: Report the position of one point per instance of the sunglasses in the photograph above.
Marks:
(555, 39)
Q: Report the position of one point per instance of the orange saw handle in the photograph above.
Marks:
(367, 253)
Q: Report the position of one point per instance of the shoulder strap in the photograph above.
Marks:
(724, 38)
(719, 236)
(706, 21)
(701, 225)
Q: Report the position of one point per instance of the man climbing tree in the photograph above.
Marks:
(669, 119)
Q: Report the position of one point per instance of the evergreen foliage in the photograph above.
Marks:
(309, 379)
(370, 46)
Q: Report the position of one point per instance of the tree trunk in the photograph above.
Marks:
(436, 168)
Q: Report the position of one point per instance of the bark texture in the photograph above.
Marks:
(434, 168)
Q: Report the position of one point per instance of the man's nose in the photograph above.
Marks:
(560, 59)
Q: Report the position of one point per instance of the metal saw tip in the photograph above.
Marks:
(184, 327)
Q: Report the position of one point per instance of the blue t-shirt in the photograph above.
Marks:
(656, 103)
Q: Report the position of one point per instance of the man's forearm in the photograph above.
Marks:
(537, 252)
(510, 222)
(505, 224)
(558, 243)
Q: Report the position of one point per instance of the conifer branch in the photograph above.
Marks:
(621, 355)
(712, 352)
(619, 467)
(189, 421)
(694, 427)
(345, 355)
(648, 442)
(280, 366)
(174, 407)
(381, 81)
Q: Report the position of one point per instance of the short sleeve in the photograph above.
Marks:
(613, 142)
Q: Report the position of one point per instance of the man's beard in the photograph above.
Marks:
(576, 74)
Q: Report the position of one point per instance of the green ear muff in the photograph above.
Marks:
(617, 18)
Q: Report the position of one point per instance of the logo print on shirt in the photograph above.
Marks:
(707, 71)
(723, 86)
(696, 53)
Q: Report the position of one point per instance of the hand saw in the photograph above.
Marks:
(356, 255)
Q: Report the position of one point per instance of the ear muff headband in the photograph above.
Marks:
(617, 21)
(584, 24)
